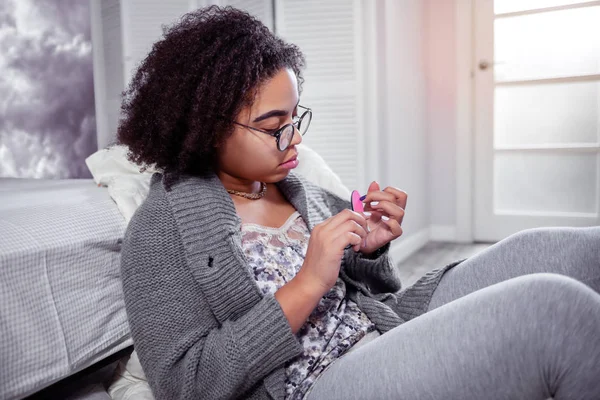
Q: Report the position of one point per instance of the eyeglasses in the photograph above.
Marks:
(285, 134)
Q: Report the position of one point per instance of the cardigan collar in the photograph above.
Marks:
(207, 215)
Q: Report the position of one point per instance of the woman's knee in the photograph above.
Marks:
(577, 246)
(587, 235)
(535, 235)
(546, 294)
(547, 282)
(538, 313)
(531, 298)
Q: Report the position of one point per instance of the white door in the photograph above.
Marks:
(536, 115)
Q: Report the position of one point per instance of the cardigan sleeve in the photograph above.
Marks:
(379, 274)
(184, 351)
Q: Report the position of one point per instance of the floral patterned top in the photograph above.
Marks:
(274, 256)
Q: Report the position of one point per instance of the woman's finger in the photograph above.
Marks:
(390, 210)
(342, 232)
(349, 239)
(401, 196)
(394, 226)
(344, 216)
(374, 216)
(352, 226)
(377, 196)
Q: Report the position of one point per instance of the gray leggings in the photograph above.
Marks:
(520, 320)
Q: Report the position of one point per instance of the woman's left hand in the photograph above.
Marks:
(387, 211)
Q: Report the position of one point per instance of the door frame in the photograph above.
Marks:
(465, 201)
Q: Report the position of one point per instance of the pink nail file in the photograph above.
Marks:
(357, 204)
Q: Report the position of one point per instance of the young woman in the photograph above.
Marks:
(244, 280)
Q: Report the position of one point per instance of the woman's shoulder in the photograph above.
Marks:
(154, 213)
(184, 205)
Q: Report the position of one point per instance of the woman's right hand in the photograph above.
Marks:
(326, 247)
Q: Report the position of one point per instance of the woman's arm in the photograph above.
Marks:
(379, 274)
(298, 298)
(184, 351)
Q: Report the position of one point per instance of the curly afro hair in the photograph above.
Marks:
(185, 94)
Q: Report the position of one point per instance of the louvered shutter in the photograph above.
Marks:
(142, 26)
(261, 9)
(329, 34)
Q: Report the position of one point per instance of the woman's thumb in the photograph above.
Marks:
(374, 186)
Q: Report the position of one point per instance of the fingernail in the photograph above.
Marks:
(365, 243)
(363, 197)
(385, 218)
(367, 213)
(374, 203)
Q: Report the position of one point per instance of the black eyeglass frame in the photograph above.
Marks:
(278, 132)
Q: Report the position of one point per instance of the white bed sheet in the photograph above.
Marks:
(60, 292)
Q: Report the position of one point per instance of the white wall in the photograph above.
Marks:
(441, 71)
(404, 114)
(425, 114)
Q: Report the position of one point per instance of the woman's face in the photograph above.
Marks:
(249, 156)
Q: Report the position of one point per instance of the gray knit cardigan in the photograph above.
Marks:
(201, 327)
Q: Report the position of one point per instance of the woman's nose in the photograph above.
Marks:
(297, 139)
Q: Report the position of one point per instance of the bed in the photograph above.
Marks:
(60, 290)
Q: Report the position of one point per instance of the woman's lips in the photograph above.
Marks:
(291, 164)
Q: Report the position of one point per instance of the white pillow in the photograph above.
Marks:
(128, 187)
(129, 381)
